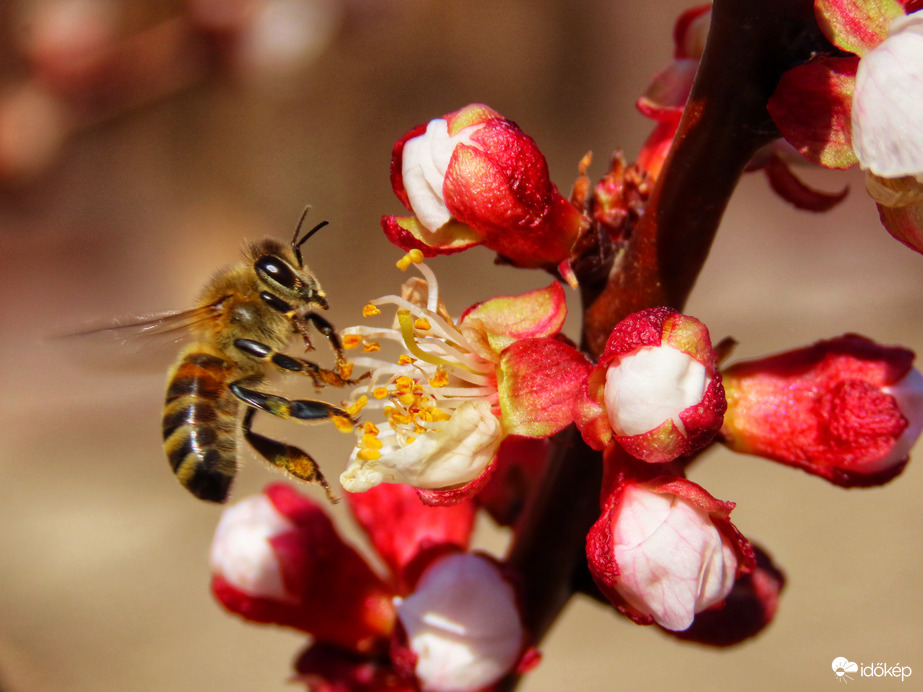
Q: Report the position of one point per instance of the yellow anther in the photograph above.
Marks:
(368, 454)
(370, 311)
(369, 428)
(342, 423)
(422, 324)
(371, 347)
(407, 398)
(404, 359)
(357, 405)
(380, 392)
(440, 379)
(351, 340)
(440, 415)
(415, 256)
(370, 442)
(404, 383)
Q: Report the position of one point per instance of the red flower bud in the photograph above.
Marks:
(847, 410)
(663, 549)
(277, 558)
(473, 177)
(656, 390)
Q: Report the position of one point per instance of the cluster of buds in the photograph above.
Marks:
(443, 618)
(462, 414)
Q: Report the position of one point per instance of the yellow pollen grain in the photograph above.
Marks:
(422, 324)
(371, 347)
(357, 406)
(342, 423)
(351, 341)
(380, 392)
(368, 454)
(440, 379)
(370, 311)
(371, 442)
(415, 256)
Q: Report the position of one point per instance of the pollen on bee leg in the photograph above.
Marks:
(415, 256)
(346, 370)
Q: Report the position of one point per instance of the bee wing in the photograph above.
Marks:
(132, 341)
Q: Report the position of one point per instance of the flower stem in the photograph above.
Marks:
(725, 122)
(750, 45)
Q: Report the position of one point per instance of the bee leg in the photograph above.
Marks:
(328, 331)
(307, 410)
(320, 376)
(295, 461)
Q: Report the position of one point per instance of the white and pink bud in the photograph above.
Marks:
(887, 107)
(848, 409)
(656, 389)
(277, 558)
(462, 625)
(473, 177)
(664, 549)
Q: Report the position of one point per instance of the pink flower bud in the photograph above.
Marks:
(277, 558)
(656, 389)
(462, 625)
(847, 410)
(473, 177)
(664, 550)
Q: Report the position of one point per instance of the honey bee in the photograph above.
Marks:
(243, 319)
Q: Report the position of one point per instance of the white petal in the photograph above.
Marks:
(651, 386)
(240, 550)
(455, 455)
(673, 561)
(424, 163)
(463, 624)
(887, 111)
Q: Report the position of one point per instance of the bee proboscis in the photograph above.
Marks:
(244, 318)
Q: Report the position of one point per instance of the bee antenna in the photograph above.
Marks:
(296, 243)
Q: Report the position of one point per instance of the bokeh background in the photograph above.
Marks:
(212, 121)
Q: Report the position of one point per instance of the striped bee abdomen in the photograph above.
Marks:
(200, 424)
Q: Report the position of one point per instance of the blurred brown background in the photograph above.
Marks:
(126, 200)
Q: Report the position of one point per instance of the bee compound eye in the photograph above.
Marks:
(277, 270)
